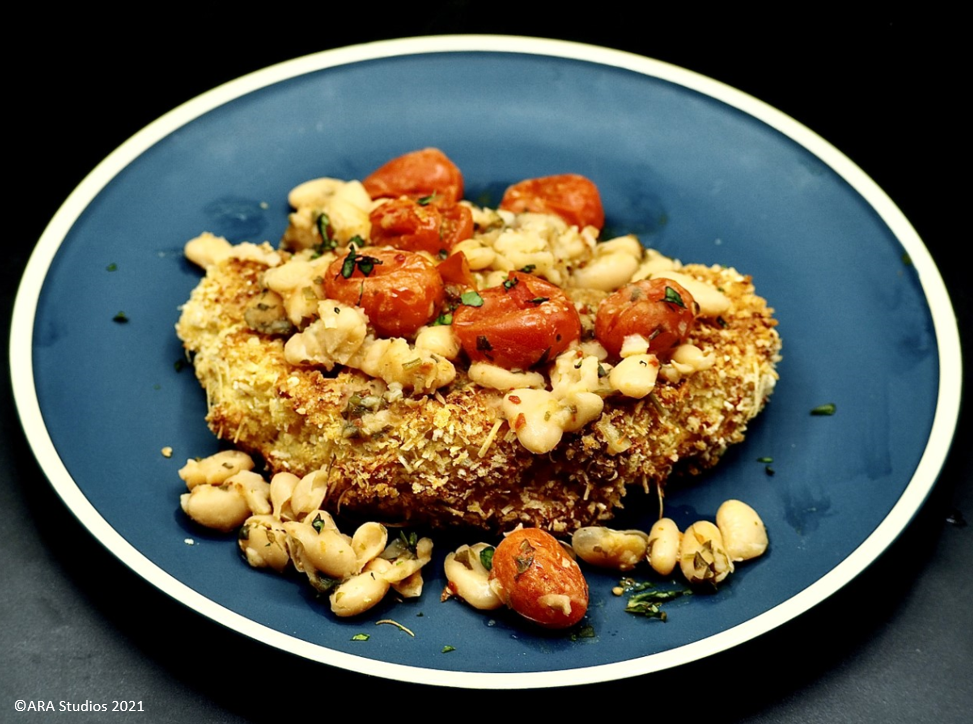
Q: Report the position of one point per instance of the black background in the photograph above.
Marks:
(895, 645)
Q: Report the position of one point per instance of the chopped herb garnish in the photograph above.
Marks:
(426, 200)
(410, 540)
(483, 344)
(443, 255)
(525, 560)
(510, 283)
(906, 259)
(365, 264)
(324, 228)
(672, 297)
(539, 300)
(826, 409)
(647, 601)
(112, 267)
(121, 318)
(447, 649)
(444, 319)
(471, 299)
(765, 460)
(178, 365)
(585, 632)
(770, 471)
(529, 268)
(722, 322)
(357, 241)
(317, 524)
(360, 637)
(486, 557)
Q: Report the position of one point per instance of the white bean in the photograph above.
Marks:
(220, 507)
(663, 549)
(361, 592)
(469, 579)
(744, 533)
(617, 549)
(215, 469)
(263, 541)
(702, 555)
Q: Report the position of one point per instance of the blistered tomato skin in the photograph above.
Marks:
(660, 310)
(533, 575)
(418, 174)
(571, 196)
(400, 291)
(524, 321)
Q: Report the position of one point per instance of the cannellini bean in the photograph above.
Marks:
(499, 378)
(617, 549)
(404, 561)
(688, 358)
(613, 266)
(744, 533)
(469, 579)
(281, 488)
(440, 340)
(410, 586)
(207, 249)
(326, 550)
(534, 416)
(309, 493)
(254, 489)
(361, 592)
(334, 338)
(221, 507)
(477, 255)
(712, 302)
(702, 555)
(663, 548)
(215, 469)
(263, 542)
(368, 542)
(635, 375)
(315, 192)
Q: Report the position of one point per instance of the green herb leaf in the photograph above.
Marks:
(765, 460)
(360, 637)
(510, 283)
(529, 268)
(447, 649)
(585, 632)
(672, 297)
(539, 300)
(444, 319)
(471, 299)
(426, 200)
(121, 318)
(486, 557)
(826, 409)
(111, 267)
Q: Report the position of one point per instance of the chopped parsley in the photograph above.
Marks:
(121, 318)
(112, 267)
(365, 264)
(672, 297)
(447, 649)
(360, 637)
(471, 299)
(647, 600)
(826, 409)
(486, 557)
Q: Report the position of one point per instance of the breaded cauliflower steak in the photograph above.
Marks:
(443, 460)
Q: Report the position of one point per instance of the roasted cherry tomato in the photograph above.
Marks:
(535, 576)
(407, 224)
(399, 290)
(572, 197)
(523, 321)
(419, 174)
(659, 309)
(455, 271)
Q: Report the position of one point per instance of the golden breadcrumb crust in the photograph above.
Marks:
(449, 459)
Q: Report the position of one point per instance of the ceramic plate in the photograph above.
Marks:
(698, 170)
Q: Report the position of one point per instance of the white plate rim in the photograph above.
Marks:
(918, 488)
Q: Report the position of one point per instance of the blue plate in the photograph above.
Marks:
(700, 171)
